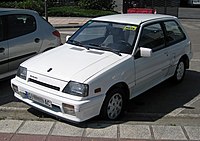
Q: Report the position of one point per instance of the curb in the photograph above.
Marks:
(129, 115)
(67, 26)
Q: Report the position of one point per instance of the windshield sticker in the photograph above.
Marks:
(132, 28)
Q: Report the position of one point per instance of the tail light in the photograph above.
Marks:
(56, 33)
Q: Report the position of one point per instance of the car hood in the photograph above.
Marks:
(69, 62)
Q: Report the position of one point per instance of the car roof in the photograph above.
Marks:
(13, 10)
(133, 18)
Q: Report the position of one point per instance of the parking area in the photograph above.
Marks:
(165, 103)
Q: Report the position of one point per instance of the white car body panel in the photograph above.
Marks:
(83, 61)
(84, 109)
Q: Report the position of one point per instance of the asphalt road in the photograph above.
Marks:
(166, 103)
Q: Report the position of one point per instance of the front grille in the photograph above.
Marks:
(44, 84)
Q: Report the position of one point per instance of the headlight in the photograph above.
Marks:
(75, 88)
(22, 72)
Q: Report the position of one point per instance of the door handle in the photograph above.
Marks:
(2, 50)
(37, 40)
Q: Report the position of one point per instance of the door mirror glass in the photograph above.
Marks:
(145, 52)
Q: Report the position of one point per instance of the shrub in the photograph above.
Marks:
(77, 12)
(97, 4)
(36, 5)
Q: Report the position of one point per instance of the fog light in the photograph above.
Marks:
(15, 88)
(68, 109)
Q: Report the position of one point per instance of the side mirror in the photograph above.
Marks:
(67, 38)
(145, 52)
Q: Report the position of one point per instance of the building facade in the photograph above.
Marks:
(162, 6)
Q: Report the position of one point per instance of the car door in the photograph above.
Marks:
(151, 70)
(3, 50)
(23, 38)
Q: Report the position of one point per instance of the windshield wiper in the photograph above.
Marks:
(78, 44)
(100, 47)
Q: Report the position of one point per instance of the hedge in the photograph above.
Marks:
(75, 11)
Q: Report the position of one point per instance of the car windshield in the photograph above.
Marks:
(107, 36)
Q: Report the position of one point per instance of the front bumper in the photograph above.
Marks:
(53, 104)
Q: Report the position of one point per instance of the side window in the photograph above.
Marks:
(152, 37)
(173, 32)
(19, 25)
(1, 29)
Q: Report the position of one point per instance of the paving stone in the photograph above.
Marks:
(62, 138)
(19, 137)
(36, 127)
(168, 133)
(135, 132)
(99, 130)
(63, 129)
(5, 136)
(9, 126)
(135, 140)
(98, 139)
(193, 132)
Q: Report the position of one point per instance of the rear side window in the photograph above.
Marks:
(174, 32)
(19, 25)
(152, 37)
(1, 29)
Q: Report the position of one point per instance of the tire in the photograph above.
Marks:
(114, 105)
(180, 72)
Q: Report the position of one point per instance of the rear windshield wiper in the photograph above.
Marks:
(99, 47)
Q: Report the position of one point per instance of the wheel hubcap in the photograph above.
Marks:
(114, 106)
(180, 71)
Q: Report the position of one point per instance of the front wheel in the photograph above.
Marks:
(180, 72)
(114, 104)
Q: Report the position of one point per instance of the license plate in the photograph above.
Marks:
(39, 99)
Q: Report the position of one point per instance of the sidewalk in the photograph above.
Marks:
(19, 130)
(60, 22)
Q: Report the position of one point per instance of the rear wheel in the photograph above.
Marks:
(180, 72)
(114, 104)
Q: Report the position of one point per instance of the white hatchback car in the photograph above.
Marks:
(108, 61)
(23, 33)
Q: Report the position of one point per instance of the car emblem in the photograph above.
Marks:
(49, 70)
(33, 77)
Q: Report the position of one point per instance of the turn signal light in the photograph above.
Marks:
(15, 88)
(68, 109)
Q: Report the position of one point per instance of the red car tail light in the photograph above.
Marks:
(56, 33)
